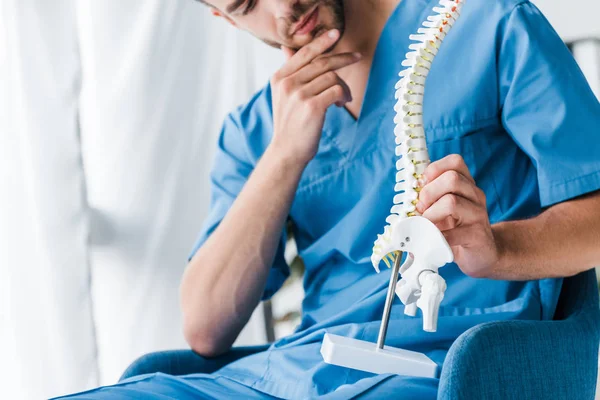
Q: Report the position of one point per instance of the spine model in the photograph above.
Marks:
(406, 231)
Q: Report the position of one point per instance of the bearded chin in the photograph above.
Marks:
(334, 9)
(338, 15)
(336, 12)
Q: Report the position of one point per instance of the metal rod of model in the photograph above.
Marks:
(389, 299)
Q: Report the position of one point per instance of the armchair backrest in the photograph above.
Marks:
(579, 294)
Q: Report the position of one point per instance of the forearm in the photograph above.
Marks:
(562, 241)
(225, 279)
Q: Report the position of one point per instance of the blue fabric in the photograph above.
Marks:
(527, 359)
(184, 362)
(530, 359)
(503, 92)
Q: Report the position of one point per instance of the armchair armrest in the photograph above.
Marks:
(184, 362)
(530, 359)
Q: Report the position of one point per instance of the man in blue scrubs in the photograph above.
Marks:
(513, 131)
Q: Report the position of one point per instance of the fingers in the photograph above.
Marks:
(450, 197)
(452, 211)
(463, 236)
(308, 53)
(287, 52)
(457, 236)
(347, 93)
(451, 162)
(324, 64)
(449, 182)
(308, 74)
(324, 82)
(333, 95)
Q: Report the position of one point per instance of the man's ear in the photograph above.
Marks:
(218, 13)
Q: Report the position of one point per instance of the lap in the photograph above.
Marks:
(408, 388)
(185, 362)
(159, 386)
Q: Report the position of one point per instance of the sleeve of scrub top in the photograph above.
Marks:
(229, 173)
(548, 107)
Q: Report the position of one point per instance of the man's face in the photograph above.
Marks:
(291, 23)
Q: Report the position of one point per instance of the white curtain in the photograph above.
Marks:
(109, 113)
(47, 343)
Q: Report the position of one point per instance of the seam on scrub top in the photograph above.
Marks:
(264, 379)
(244, 139)
(577, 178)
(274, 383)
(139, 378)
(472, 125)
(550, 195)
(461, 127)
(251, 388)
(353, 151)
(320, 178)
(493, 177)
(335, 166)
(344, 163)
(267, 367)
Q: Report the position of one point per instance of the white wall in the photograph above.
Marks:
(577, 22)
(572, 19)
(587, 53)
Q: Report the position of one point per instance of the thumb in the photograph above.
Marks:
(287, 52)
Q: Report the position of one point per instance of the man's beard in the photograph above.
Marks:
(333, 9)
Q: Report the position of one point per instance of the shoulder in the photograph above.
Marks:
(253, 122)
(492, 15)
(489, 21)
(254, 112)
(495, 7)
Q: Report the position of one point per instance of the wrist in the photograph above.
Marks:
(504, 248)
(281, 157)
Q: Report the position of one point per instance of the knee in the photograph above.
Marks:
(147, 364)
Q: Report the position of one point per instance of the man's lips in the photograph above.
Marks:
(307, 23)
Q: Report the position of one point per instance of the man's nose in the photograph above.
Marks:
(283, 8)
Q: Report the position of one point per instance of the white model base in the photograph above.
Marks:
(365, 356)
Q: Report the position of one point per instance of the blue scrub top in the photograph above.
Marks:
(505, 93)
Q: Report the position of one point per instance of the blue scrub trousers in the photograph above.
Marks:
(183, 362)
